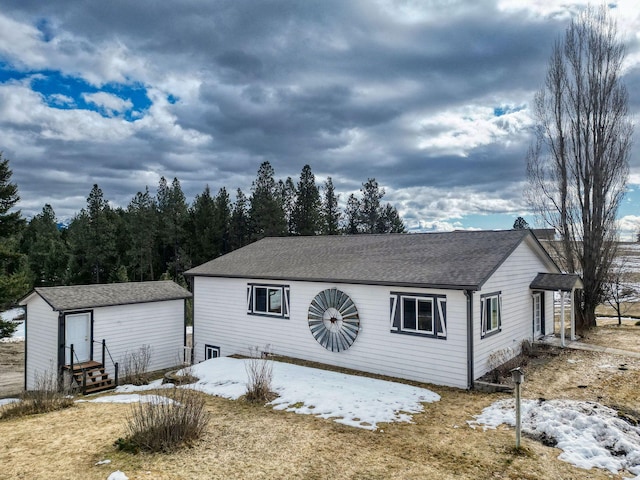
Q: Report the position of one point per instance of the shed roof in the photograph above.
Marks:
(556, 281)
(77, 297)
(454, 260)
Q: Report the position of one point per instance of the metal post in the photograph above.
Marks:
(116, 373)
(71, 363)
(518, 378)
(104, 344)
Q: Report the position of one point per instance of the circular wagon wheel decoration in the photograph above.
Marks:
(333, 320)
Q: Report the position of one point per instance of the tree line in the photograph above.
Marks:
(160, 235)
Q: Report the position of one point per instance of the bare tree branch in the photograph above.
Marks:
(579, 160)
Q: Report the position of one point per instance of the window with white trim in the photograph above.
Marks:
(418, 314)
(490, 314)
(211, 351)
(268, 300)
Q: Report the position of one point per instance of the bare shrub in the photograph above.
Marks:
(166, 424)
(135, 366)
(501, 362)
(47, 396)
(260, 372)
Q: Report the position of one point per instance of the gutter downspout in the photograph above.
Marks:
(469, 295)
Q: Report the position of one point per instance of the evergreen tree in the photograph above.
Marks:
(240, 226)
(15, 279)
(306, 209)
(370, 208)
(142, 221)
(222, 222)
(330, 213)
(352, 214)
(45, 248)
(265, 210)
(390, 221)
(203, 236)
(520, 224)
(10, 222)
(288, 198)
(173, 214)
(368, 215)
(92, 241)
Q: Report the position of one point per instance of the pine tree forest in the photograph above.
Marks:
(158, 235)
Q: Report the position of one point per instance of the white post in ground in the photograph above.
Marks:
(573, 315)
(561, 318)
(518, 377)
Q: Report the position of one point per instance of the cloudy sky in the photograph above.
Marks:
(430, 97)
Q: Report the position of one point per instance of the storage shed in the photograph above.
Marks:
(92, 327)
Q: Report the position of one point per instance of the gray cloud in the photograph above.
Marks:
(398, 91)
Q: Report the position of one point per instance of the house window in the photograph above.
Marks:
(418, 314)
(269, 300)
(490, 314)
(211, 351)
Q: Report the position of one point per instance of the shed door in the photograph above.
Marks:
(78, 333)
(537, 315)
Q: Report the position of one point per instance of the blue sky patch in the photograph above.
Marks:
(505, 109)
(67, 92)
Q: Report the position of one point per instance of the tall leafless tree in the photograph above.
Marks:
(578, 163)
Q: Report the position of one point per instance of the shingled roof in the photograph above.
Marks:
(556, 281)
(455, 260)
(77, 297)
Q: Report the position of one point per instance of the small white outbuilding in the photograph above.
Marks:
(70, 328)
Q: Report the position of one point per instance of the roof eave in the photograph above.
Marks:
(341, 280)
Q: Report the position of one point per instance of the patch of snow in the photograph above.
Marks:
(12, 314)
(348, 399)
(153, 385)
(129, 398)
(117, 475)
(590, 434)
(6, 401)
(103, 462)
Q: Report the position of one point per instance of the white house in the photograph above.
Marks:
(428, 307)
(88, 328)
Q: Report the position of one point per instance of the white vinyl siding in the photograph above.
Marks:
(42, 341)
(220, 318)
(127, 328)
(512, 279)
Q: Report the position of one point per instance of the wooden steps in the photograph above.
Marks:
(97, 378)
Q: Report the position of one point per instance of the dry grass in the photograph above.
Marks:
(247, 441)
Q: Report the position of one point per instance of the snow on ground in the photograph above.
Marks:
(154, 385)
(590, 434)
(129, 398)
(10, 315)
(352, 400)
(5, 401)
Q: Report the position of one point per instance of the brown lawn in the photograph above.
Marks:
(254, 442)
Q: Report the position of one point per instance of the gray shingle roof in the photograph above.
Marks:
(460, 260)
(556, 281)
(77, 297)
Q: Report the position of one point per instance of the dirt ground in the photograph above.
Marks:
(11, 368)
(246, 441)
